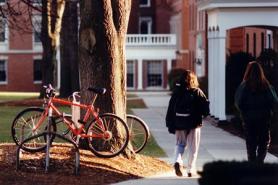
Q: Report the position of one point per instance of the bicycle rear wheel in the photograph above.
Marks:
(109, 135)
(138, 132)
(22, 127)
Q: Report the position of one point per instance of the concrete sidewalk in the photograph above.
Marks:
(216, 144)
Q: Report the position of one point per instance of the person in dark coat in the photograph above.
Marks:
(255, 99)
(186, 125)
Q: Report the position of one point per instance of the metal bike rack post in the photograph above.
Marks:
(77, 153)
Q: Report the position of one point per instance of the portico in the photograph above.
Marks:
(222, 16)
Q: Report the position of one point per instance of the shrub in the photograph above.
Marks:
(238, 173)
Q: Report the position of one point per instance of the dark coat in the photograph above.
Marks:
(200, 107)
(255, 105)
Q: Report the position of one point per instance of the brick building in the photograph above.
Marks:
(150, 48)
(20, 58)
(150, 51)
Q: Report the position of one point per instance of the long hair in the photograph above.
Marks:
(188, 79)
(254, 77)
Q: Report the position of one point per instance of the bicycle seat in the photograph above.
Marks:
(97, 90)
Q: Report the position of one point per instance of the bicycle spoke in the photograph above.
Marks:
(22, 128)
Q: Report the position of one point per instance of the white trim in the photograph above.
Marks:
(17, 51)
(37, 82)
(236, 5)
(140, 74)
(37, 57)
(3, 57)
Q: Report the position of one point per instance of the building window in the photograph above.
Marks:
(154, 75)
(145, 25)
(37, 29)
(145, 3)
(2, 30)
(37, 70)
(130, 74)
(254, 44)
(37, 2)
(3, 71)
(247, 43)
(37, 37)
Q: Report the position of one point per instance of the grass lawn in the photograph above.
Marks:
(13, 96)
(8, 113)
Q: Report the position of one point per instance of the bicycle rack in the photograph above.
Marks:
(47, 158)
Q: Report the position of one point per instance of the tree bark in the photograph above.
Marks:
(102, 53)
(47, 65)
(52, 12)
(69, 51)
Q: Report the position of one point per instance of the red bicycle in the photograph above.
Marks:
(107, 134)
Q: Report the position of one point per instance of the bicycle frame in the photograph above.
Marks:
(50, 108)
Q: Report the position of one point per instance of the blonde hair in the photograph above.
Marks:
(188, 79)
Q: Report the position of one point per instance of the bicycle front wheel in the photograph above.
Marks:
(22, 128)
(108, 135)
(138, 132)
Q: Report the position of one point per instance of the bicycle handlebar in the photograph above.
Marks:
(49, 91)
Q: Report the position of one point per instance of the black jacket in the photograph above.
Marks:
(200, 107)
(255, 105)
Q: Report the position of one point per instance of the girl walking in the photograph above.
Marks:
(187, 106)
(255, 98)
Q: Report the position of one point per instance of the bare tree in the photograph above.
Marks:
(102, 52)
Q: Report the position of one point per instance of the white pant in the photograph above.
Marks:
(191, 140)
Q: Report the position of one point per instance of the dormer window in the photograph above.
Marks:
(145, 3)
(145, 25)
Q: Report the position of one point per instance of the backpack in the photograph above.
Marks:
(184, 110)
(256, 105)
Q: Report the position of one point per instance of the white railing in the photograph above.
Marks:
(151, 40)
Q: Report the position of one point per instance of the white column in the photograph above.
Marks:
(140, 74)
(216, 73)
(210, 71)
(169, 64)
(221, 80)
(169, 67)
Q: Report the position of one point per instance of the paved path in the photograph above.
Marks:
(216, 144)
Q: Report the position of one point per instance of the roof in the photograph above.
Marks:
(211, 4)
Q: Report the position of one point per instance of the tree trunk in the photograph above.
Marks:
(52, 12)
(102, 53)
(69, 50)
(47, 65)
